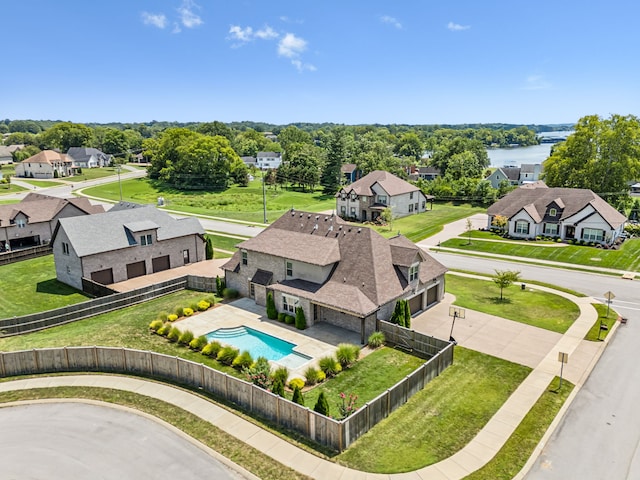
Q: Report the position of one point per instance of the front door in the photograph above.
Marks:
(364, 215)
(570, 233)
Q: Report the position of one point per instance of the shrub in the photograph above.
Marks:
(179, 311)
(188, 312)
(156, 325)
(322, 405)
(194, 306)
(172, 317)
(281, 316)
(211, 349)
(164, 329)
(330, 366)
(211, 300)
(277, 387)
(242, 361)
(289, 319)
(260, 373)
(230, 293)
(301, 321)
(272, 312)
(220, 285)
(347, 354)
(185, 337)
(281, 374)
(321, 376)
(198, 343)
(296, 383)
(227, 355)
(174, 334)
(297, 396)
(203, 305)
(163, 316)
(311, 375)
(376, 339)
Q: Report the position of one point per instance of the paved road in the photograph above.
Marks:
(599, 436)
(78, 440)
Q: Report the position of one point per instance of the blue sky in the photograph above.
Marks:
(414, 62)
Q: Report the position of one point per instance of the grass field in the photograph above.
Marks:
(42, 183)
(93, 173)
(30, 286)
(532, 307)
(626, 259)
(11, 188)
(604, 318)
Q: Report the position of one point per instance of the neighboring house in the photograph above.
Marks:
(16, 147)
(366, 198)
(634, 188)
(126, 242)
(567, 213)
(338, 273)
(270, 136)
(267, 160)
(249, 161)
(5, 155)
(526, 173)
(44, 165)
(84, 157)
(350, 173)
(32, 221)
(428, 173)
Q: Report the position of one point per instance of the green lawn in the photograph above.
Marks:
(367, 378)
(239, 203)
(533, 307)
(30, 286)
(223, 242)
(594, 334)
(11, 188)
(439, 420)
(423, 225)
(627, 258)
(517, 450)
(42, 183)
(93, 173)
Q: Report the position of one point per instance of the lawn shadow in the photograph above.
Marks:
(499, 301)
(55, 287)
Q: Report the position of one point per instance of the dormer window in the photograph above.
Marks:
(413, 272)
(553, 212)
(245, 260)
(21, 222)
(146, 240)
(343, 196)
(354, 197)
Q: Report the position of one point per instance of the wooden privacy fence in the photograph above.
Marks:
(24, 254)
(423, 345)
(96, 306)
(335, 434)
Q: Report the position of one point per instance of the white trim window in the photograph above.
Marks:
(290, 303)
(65, 248)
(413, 272)
(592, 235)
(146, 240)
(245, 260)
(289, 266)
(382, 199)
(553, 212)
(551, 228)
(522, 227)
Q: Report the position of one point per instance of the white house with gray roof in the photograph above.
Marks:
(126, 242)
(338, 273)
(365, 199)
(85, 157)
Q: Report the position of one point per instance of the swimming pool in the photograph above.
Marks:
(260, 344)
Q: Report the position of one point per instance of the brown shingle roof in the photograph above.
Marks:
(390, 183)
(43, 208)
(47, 156)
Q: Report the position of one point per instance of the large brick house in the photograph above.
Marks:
(32, 221)
(365, 199)
(126, 242)
(45, 164)
(566, 213)
(338, 273)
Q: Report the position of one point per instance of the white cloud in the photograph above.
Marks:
(241, 34)
(456, 27)
(188, 17)
(391, 21)
(286, 19)
(536, 82)
(291, 46)
(156, 19)
(266, 33)
(300, 66)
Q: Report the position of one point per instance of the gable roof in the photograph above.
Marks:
(536, 198)
(47, 156)
(268, 154)
(81, 154)
(111, 228)
(366, 265)
(348, 167)
(43, 208)
(389, 182)
(5, 152)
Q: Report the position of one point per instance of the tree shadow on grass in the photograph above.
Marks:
(498, 301)
(54, 287)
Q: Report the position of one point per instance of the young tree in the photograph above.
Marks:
(322, 405)
(469, 229)
(407, 314)
(500, 221)
(272, 312)
(208, 248)
(387, 217)
(504, 278)
(277, 387)
(336, 153)
(301, 321)
(297, 396)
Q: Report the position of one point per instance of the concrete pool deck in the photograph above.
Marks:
(316, 341)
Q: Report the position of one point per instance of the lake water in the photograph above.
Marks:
(516, 156)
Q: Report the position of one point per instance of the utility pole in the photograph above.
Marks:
(264, 200)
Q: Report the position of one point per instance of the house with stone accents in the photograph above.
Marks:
(365, 199)
(45, 164)
(566, 213)
(128, 241)
(341, 274)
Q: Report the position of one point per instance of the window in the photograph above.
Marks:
(185, 256)
(415, 207)
(289, 303)
(353, 211)
(146, 240)
(245, 260)
(424, 204)
(551, 228)
(410, 195)
(413, 272)
(354, 197)
(343, 210)
(21, 223)
(382, 199)
(289, 269)
(553, 212)
(65, 248)
(592, 235)
(522, 227)
(410, 207)
(343, 196)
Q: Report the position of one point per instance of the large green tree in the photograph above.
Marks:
(410, 145)
(66, 135)
(602, 155)
(302, 165)
(453, 151)
(336, 148)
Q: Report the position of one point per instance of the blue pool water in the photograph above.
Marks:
(259, 344)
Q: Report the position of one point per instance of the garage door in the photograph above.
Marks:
(105, 277)
(415, 303)
(432, 295)
(160, 263)
(136, 269)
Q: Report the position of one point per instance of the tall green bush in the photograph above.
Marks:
(281, 374)
(322, 405)
(185, 337)
(330, 366)
(407, 314)
(227, 355)
(272, 312)
(220, 285)
(376, 339)
(301, 321)
(174, 334)
(347, 354)
(242, 361)
(198, 343)
(277, 387)
(212, 349)
(208, 249)
(297, 396)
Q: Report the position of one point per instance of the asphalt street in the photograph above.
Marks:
(78, 440)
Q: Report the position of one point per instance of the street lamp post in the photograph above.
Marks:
(118, 167)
